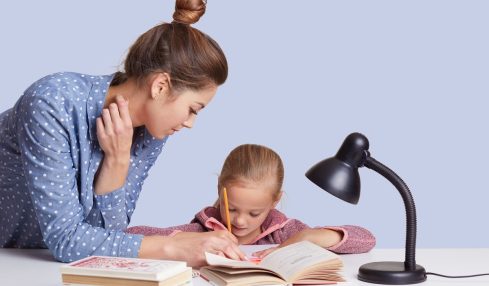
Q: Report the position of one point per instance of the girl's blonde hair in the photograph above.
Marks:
(254, 164)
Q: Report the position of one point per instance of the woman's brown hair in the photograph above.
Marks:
(255, 164)
(191, 58)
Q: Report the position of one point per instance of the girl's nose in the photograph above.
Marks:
(239, 220)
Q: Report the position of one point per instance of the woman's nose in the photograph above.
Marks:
(189, 122)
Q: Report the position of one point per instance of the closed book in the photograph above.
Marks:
(104, 270)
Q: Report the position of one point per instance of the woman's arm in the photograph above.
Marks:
(116, 189)
(115, 135)
(48, 155)
(190, 246)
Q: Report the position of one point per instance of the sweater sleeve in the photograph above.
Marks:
(167, 231)
(356, 239)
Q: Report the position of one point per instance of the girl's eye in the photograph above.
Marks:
(254, 215)
(191, 111)
(232, 210)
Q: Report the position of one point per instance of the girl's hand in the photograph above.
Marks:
(114, 133)
(321, 236)
(190, 247)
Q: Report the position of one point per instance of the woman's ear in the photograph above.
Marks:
(160, 85)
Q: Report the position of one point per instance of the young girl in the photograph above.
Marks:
(253, 177)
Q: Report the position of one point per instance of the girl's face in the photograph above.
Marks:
(165, 116)
(249, 205)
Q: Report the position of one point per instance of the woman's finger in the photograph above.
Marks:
(117, 124)
(100, 128)
(220, 253)
(232, 251)
(124, 110)
(107, 122)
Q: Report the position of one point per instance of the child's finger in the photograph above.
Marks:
(262, 253)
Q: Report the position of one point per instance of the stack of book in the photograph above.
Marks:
(103, 270)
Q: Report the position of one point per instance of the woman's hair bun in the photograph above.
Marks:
(188, 11)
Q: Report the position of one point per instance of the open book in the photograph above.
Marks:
(301, 263)
(104, 270)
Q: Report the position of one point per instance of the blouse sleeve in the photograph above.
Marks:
(117, 207)
(48, 155)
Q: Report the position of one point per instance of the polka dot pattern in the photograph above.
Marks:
(49, 155)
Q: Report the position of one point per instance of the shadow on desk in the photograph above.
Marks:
(34, 254)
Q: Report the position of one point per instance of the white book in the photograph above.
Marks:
(119, 270)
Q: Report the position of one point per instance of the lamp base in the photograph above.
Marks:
(391, 272)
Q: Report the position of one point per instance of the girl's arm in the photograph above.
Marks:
(340, 239)
(323, 237)
(167, 231)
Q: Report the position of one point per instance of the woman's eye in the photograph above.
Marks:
(191, 111)
(232, 210)
(254, 215)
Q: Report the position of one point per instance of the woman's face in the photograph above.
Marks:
(165, 116)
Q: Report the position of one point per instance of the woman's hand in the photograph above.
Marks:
(323, 237)
(190, 246)
(114, 133)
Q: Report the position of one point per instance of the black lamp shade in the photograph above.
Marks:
(338, 175)
(337, 178)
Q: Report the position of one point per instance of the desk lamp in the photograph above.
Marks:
(339, 176)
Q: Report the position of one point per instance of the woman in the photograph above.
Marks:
(75, 149)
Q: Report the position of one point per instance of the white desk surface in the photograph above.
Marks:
(37, 267)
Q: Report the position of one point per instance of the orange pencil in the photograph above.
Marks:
(226, 205)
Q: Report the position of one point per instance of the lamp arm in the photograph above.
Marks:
(371, 163)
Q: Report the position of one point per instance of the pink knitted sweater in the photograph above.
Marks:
(275, 229)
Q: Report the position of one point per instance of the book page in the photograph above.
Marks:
(287, 262)
(241, 277)
(217, 260)
(292, 260)
(248, 250)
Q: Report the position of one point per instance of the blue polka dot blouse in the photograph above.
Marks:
(49, 155)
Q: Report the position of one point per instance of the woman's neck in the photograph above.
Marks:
(131, 92)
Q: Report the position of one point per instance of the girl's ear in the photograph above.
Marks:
(279, 196)
(160, 85)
